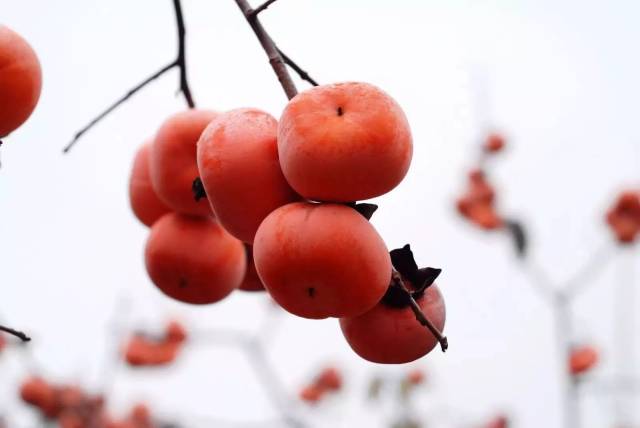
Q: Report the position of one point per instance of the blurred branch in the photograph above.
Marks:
(585, 276)
(20, 335)
(179, 62)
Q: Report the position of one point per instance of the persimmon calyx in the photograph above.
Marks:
(198, 189)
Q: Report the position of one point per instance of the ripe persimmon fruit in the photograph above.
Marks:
(173, 161)
(321, 260)
(193, 259)
(20, 80)
(344, 142)
(144, 201)
(239, 168)
(390, 335)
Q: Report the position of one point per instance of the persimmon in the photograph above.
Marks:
(494, 143)
(391, 335)
(173, 161)
(311, 394)
(240, 171)
(20, 80)
(321, 260)
(344, 142)
(193, 259)
(141, 352)
(582, 359)
(416, 377)
(329, 379)
(478, 203)
(39, 393)
(175, 332)
(144, 201)
(251, 281)
(624, 217)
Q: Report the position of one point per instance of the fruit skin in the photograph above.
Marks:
(624, 217)
(193, 259)
(20, 80)
(144, 201)
(582, 359)
(321, 260)
(251, 281)
(344, 142)
(239, 167)
(390, 335)
(173, 165)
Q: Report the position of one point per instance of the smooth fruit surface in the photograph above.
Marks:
(321, 260)
(390, 335)
(20, 80)
(144, 201)
(173, 165)
(344, 142)
(239, 167)
(193, 259)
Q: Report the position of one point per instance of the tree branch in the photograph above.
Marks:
(420, 316)
(303, 74)
(20, 335)
(275, 59)
(179, 62)
(262, 7)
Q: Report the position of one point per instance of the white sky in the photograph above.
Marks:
(560, 78)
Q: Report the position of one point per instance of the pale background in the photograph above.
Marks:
(560, 78)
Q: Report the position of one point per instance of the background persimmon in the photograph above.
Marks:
(144, 201)
(321, 260)
(238, 164)
(194, 260)
(344, 142)
(173, 165)
(20, 80)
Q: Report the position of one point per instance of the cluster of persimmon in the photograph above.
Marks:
(144, 350)
(624, 217)
(582, 359)
(274, 209)
(72, 407)
(20, 80)
(477, 204)
(328, 381)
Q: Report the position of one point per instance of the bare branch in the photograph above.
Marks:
(262, 7)
(179, 62)
(275, 59)
(303, 74)
(20, 335)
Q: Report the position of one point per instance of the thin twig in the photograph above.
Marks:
(420, 316)
(303, 74)
(262, 7)
(179, 62)
(20, 335)
(275, 59)
(585, 276)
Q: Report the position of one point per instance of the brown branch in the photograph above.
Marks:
(275, 59)
(179, 62)
(303, 74)
(420, 316)
(20, 335)
(262, 7)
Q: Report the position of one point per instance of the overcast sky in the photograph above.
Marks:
(559, 78)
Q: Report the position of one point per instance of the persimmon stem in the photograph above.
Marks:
(20, 335)
(275, 58)
(180, 63)
(420, 316)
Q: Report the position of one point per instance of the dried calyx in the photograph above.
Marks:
(407, 281)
